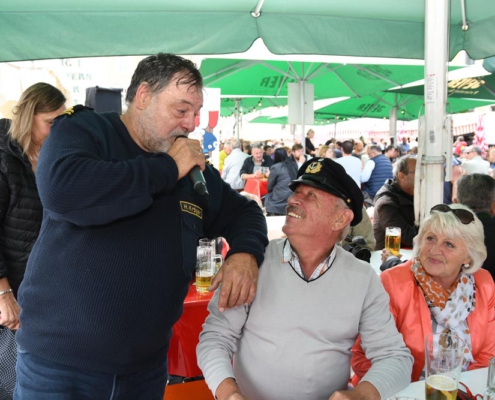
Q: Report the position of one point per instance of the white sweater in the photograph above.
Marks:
(294, 342)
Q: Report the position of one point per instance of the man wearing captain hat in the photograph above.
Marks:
(313, 300)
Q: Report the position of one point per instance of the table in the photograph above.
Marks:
(376, 258)
(258, 187)
(185, 337)
(196, 390)
(475, 380)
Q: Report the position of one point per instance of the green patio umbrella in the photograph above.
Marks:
(480, 87)
(321, 120)
(379, 106)
(248, 104)
(34, 29)
(270, 78)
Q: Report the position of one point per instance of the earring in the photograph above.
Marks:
(465, 266)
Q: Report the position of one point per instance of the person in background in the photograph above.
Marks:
(375, 171)
(251, 167)
(358, 149)
(268, 151)
(474, 163)
(209, 142)
(491, 157)
(314, 298)
(404, 146)
(459, 145)
(391, 153)
(247, 148)
(288, 151)
(298, 154)
(477, 191)
(222, 155)
(442, 289)
(233, 165)
(394, 204)
(282, 172)
(310, 146)
(352, 165)
(20, 208)
(326, 151)
(107, 278)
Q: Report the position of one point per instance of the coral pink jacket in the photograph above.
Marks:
(413, 319)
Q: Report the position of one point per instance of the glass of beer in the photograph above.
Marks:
(205, 271)
(444, 354)
(392, 240)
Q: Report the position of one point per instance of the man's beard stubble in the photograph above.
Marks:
(150, 137)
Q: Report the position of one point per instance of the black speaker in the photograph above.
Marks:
(104, 99)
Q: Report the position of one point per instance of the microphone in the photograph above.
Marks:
(198, 181)
(197, 178)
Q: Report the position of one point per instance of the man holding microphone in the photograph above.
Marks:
(108, 275)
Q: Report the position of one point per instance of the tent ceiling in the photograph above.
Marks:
(33, 29)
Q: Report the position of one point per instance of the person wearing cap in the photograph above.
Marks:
(313, 300)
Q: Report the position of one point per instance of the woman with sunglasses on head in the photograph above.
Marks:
(442, 289)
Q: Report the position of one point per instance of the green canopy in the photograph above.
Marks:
(270, 78)
(249, 104)
(321, 120)
(379, 106)
(41, 29)
(480, 87)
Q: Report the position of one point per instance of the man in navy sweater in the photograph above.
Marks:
(108, 275)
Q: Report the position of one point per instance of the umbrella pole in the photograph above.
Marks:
(303, 116)
(436, 59)
(237, 119)
(393, 124)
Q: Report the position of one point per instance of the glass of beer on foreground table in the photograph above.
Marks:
(392, 240)
(205, 266)
(444, 354)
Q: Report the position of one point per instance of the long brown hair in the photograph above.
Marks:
(38, 98)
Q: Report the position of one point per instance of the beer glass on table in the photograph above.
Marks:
(444, 354)
(392, 240)
(204, 275)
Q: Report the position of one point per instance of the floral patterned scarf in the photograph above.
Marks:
(450, 308)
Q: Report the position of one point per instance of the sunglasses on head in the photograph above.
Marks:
(465, 216)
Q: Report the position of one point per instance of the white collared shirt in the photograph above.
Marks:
(289, 256)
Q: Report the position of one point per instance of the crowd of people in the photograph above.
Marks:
(100, 219)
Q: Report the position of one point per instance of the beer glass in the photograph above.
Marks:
(204, 275)
(265, 171)
(490, 385)
(392, 240)
(444, 354)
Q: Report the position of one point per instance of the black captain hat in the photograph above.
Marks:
(327, 175)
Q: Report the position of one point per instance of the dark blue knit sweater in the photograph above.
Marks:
(106, 279)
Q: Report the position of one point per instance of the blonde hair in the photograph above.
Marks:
(38, 98)
(448, 224)
(323, 149)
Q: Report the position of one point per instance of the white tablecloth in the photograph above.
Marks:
(376, 258)
(475, 380)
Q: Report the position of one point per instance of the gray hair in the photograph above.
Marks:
(477, 150)
(257, 145)
(401, 165)
(477, 191)
(236, 144)
(446, 223)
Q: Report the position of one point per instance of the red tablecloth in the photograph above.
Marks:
(196, 390)
(258, 187)
(185, 337)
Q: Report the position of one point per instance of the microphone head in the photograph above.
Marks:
(200, 188)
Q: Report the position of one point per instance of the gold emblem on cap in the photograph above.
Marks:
(313, 168)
